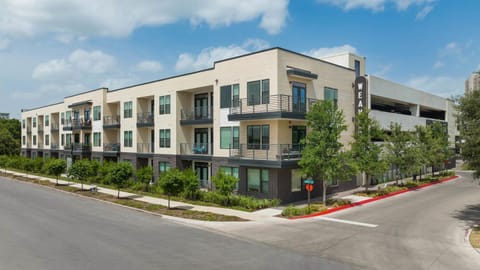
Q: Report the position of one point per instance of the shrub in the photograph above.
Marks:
(120, 174)
(135, 185)
(37, 164)
(191, 185)
(292, 211)
(237, 200)
(410, 184)
(144, 176)
(224, 184)
(338, 202)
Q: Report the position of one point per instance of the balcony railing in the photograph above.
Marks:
(40, 128)
(82, 147)
(111, 147)
(197, 113)
(145, 148)
(111, 121)
(29, 130)
(278, 106)
(67, 124)
(54, 146)
(145, 119)
(40, 145)
(81, 124)
(195, 149)
(54, 127)
(275, 152)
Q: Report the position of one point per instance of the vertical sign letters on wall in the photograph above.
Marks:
(360, 94)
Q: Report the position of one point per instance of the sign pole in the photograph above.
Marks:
(309, 188)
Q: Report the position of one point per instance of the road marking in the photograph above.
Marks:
(348, 222)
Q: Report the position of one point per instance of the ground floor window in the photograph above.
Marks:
(47, 139)
(257, 180)
(163, 166)
(127, 138)
(97, 141)
(297, 179)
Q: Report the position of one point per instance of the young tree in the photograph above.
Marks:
(366, 153)
(80, 170)
(172, 183)
(191, 185)
(55, 167)
(469, 121)
(323, 156)
(27, 164)
(144, 175)
(440, 146)
(401, 151)
(224, 183)
(119, 175)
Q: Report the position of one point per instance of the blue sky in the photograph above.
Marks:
(53, 48)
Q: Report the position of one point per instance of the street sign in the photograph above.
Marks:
(309, 187)
(308, 181)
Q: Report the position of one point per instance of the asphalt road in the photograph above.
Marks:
(423, 229)
(46, 229)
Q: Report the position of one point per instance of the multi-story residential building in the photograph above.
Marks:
(4, 116)
(245, 116)
(472, 83)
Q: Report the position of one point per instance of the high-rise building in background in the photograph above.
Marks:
(473, 82)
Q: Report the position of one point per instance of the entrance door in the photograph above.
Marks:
(299, 97)
(298, 134)
(201, 168)
(201, 141)
(201, 106)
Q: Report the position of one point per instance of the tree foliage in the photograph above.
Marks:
(55, 167)
(81, 170)
(172, 183)
(191, 186)
(144, 175)
(469, 121)
(119, 175)
(10, 134)
(224, 184)
(323, 155)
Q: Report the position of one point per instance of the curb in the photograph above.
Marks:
(336, 209)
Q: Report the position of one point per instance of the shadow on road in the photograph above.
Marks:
(470, 214)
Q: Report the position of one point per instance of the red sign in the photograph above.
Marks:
(309, 187)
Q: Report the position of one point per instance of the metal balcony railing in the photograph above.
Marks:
(67, 124)
(195, 149)
(145, 119)
(111, 121)
(40, 145)
(273, 103)
(111, 147)
(54, 127)
(29, 130)
(40, 128)
(197, 113)
(274, 152)
(81, 124)
(81, 147)
(146, 148)
(54, 146)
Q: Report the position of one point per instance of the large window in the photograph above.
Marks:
(23, 123)
(128, 138)
(163, 166)
(86, 114)
(23, 140)
(47, 120)
(68, 116)
(258, 92)
(34, 122)
(34, 139)
(357, 68)
(257, 180)
(330, 94)
(68, 139)
(229, 137)
(164, 103)
(47, 139)
(62, 118)
(164, 135)
(297, 178)
(97, 139)
(127, 109)
(97, 113)
(62, 137)
(258, 137)
(229, 94)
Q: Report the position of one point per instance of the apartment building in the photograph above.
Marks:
(472, 83)
(245, 116)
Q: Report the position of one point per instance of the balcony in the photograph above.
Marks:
(111, 149)
(54, 127)
(196, 116)
(145, 120)
(81, 148)
(81, 124)
(40, 145)
(54, 146)
(278, 106)
(40, 129)
(270, 155)
(145, 148)
(111, 121)
(67, 124)
(29, 130)
(195, 149)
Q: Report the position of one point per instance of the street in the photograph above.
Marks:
(46, 229)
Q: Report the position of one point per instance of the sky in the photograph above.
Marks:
(50, 49)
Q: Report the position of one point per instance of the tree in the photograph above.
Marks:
(144, 175)
(81, 170)
(4, 163)
(172, 183)
(225, 184)
(8, 144)
(323, 155)
(469, 121)
(425, 144)
(366, 153)
(190, 184)
(55, 167)
(441, 150)
(119, 175)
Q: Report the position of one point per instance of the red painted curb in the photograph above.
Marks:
(336, 209)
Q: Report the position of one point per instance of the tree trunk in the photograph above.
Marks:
(118, 193)
(81, 186)
(56, 182)
(324, 192)
(364, 181)
(433, 170)
(169, 201)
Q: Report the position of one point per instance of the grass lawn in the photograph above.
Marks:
(159, 209)
(475, 237)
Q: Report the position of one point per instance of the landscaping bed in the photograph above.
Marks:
(293, 211)
(159, 209)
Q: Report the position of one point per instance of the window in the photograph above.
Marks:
(164, 135)
(62, 118)
(357, 68)
(34, 139)
(258, 137)
(233, 171)
(47, 139)
(86, 114)
(330, 94)
(97, 139)
(97, 113)
(128, 138)
(23, 140)
(34, 122)
(127, 109)
(164, 103)
(47, 120)
(68, 116)
(229, 94)
(297, 179)
(63, 139)
(68, 139)
(257, 180)
(163, 166)
(23, 123)
(229, 137)
(258, 92)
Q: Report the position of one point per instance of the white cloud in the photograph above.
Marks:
(325, 51)
(78, 64)
(438, 64)
(384, 70)
(72, 19)
(4, 43)
(451, 46)
(205, 59)
(424, 12)
(375, 5)
(149, 66)
(445, 86)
